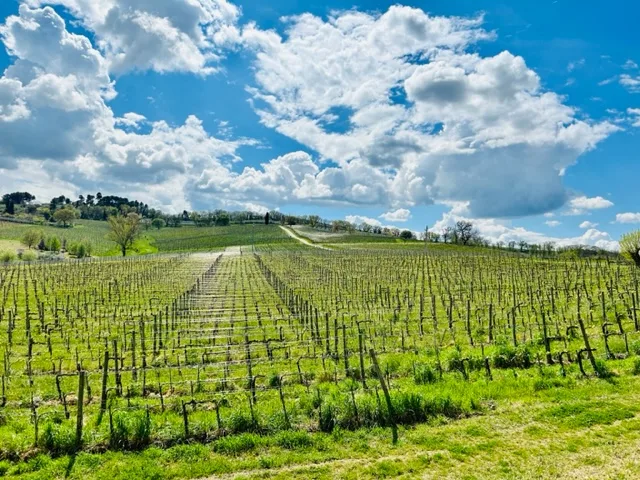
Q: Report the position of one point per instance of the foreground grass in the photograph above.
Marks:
(532, 426)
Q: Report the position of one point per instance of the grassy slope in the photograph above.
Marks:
(370, 241)
(186, 238)
(321, 236)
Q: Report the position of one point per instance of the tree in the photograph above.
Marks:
(523, 245)
(266, 218)
(174, 221)
(464, 232)
(10, 200)
(157, 223)
(447, 234)
(314, 220)
(124, 231)
(630, 246)
(31, 238)
(223, 219)
(65, 215)
(406, 235)
(53, 244)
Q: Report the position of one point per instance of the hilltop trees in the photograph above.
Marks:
(630, 246)
(124, 231)
(465, 233)
(10, 200)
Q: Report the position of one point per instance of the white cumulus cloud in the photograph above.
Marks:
(160, 35)
(582, 204)
(586, 224)
(402, 92)
(399, 215)
(628, 217)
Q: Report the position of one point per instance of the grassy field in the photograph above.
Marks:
(262, 363)
(182, 239)
(356, 237)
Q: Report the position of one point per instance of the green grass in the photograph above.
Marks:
(519, 439)
(165, 240)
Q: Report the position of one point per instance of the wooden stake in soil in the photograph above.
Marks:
(383, 384)
(80, 418)
(105, 379)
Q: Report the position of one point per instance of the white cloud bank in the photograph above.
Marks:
(438, 123)
(426, 119)
(160, 35)
(586, 224)
(628, 217)
(583, 204)
(399, 215)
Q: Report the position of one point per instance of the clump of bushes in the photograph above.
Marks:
(29, 256)
(7, 257)
(51, 244)
(80, 249)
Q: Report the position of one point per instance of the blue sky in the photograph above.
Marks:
(521, 115)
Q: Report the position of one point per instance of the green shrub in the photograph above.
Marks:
(80, 249)
(29, 256)
(7, 257)
(52, 244)
(636, 366)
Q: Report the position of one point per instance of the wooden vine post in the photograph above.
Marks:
(82, 375)
(387, 397)
(585, 337)
(105, 379)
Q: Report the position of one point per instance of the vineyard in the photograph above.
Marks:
(281, 348)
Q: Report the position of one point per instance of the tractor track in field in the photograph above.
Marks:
(339, 464)
(304, 241)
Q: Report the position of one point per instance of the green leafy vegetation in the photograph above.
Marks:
(278, 357)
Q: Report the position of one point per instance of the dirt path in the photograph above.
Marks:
(304, 241)
(337, 466)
